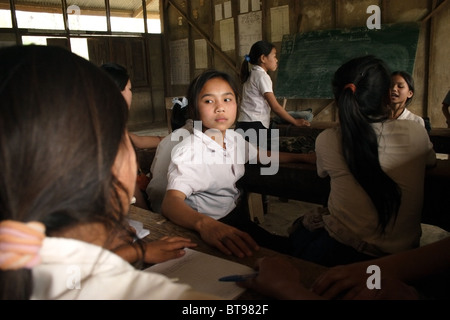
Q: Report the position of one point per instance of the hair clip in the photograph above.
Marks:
(183, 103)
(247, 57)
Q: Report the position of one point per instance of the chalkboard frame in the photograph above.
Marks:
(307, 61)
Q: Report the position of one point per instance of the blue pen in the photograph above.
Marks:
(238, 277)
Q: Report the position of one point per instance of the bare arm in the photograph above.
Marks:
(227, 239)
(280, 279)
(282, 113)
(405, 266)
(145, 142)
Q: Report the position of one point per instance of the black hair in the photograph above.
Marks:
(197, 85)
(60, 135)
(118, 73)
(368, 103)
(179, 116)
(258, 49)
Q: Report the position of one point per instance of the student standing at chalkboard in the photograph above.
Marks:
(401, 93)
(258, 99)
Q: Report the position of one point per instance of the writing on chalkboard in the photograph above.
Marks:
(308, 60)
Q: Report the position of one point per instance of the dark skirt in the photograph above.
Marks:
(319, 247)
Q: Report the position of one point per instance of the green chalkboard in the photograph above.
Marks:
(307, 61)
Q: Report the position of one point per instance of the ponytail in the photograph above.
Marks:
(258, 49)
(361, 89)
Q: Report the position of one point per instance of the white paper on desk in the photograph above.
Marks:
(202, 272)
(139, 227)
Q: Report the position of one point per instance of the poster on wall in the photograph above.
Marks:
(201, 54)
(179, 59)
(227, 34)
(279, 18)
(250, 31)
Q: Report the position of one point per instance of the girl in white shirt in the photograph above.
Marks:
(401, 93)
(201, 193)
(258, 99)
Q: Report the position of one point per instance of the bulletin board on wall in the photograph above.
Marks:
(308, 60)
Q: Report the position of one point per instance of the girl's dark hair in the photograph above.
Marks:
(118, 73)
(60, 134)
(258, 49)
(357, 110)
(178, 117)
(197, 85)
(409, 81)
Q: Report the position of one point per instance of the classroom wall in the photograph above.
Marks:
(195, 20)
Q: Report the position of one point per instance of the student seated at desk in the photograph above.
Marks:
(201, 192)
(68, 176)
(377, 169)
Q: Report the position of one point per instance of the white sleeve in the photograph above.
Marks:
(265, 84)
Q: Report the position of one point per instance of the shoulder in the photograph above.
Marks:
(329, 133)
(97, 266)
(406, 128)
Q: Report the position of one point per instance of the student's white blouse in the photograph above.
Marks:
(207, 173)
(73, 269)
(254, 106)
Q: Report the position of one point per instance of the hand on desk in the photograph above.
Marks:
(349, 282)
(279, 279)
(156, 251)
(227, 239)
(166, 248)
(302, 123)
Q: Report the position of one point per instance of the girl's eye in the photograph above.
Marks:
(208, 101)
(227, 99)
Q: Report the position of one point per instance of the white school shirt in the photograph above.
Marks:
(73, 269)
(207, 173)
(408, 115)
(254, 107)
(404, 151)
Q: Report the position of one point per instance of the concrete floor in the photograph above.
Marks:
(282, 213)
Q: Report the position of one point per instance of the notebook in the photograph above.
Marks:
(202, 272)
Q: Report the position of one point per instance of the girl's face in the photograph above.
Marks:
(127, 93)
(399, 91)
(125, 168)
(217, 105)
(270, 62)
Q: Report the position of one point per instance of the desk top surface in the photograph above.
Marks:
(159, 226)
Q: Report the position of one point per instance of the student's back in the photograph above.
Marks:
(377, 168)
(402, 149)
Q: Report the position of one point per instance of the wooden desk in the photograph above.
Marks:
(436, 206)
(159, 227)
(440, 137)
